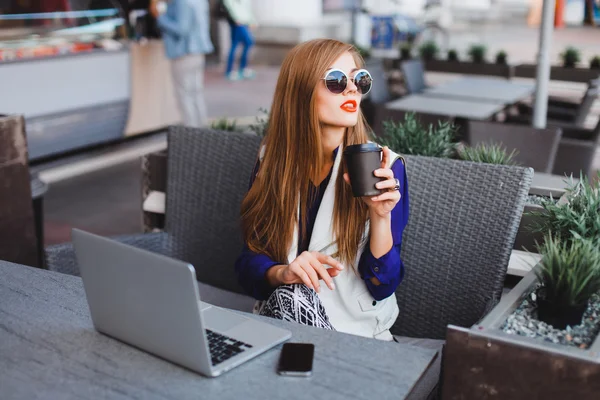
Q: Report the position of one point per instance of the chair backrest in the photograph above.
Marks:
(208, 174)
(18, 241)
(414, 75)
(535, 148)
(380, 92)
(463, 221)
(591, 94)
(372, 104)
(577, 152)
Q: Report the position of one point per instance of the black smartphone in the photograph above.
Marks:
(296, 359)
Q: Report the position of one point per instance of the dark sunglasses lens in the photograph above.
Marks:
(363, 82)
(336, 82)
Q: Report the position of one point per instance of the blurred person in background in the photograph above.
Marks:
(240, 18)
(185, 30)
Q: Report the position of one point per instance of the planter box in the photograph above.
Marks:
(557, 73)
(485, 362)
(469, 68)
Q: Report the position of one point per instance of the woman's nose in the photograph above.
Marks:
(351, 86)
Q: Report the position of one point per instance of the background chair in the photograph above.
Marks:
(561, 111)
(207, 177)
(536, 148)
(414, 76)
(463, 222)
(576, 151)
(380, 94)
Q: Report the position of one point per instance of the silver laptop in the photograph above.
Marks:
(152, 302)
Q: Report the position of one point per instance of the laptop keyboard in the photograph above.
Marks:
(222, 347)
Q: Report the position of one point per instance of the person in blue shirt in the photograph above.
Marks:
(315, 254)
(185, 28)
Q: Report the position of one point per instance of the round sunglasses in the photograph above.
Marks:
(336, 81)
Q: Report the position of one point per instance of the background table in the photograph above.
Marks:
(49, 349)
(451, 107)
(497, 91)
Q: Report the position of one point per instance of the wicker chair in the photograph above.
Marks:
(463, 222)
(536, 148)
(208, 176)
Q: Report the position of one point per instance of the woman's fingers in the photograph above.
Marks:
(384, 173)
(394, 195)
(299, 272)
(387, 184)
(385, 157)
(328, 260)
(320, 269)
(312, 274)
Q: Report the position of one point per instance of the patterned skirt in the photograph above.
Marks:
(296, 303)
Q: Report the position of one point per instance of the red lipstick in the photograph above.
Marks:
(349, 106)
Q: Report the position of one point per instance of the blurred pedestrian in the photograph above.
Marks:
(185, 28)
(241, 19)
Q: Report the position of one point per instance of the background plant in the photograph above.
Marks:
(452, 55)
(429, 50)
(405, 51)
(501, 57)
(595, 62)
(477, 53)
(488, 154)
(224, 124)
(569, 274)
(412, 137)
(262, 123)
(571, 56)
(573, 220)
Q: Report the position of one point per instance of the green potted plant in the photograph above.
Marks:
(262, 123)
(570, 57)
(452, 55)
(501, 58)
(569, 274)
(411, 137)
(224, 124)
(595, 62)
(576, 218)
(429, 50)
(406, 51)
(477, 53)
(489, 154)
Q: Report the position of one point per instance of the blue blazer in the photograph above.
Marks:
(186, 28)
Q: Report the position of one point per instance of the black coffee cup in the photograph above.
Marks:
(362, 160)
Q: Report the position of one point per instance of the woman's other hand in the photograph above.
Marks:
(308, 268)
(382, 204)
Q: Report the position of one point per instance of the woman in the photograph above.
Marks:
(240, 18)
(300, 221)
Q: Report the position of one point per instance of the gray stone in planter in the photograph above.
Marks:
(485, 362)
(493, 322)
(470, 68)
(558, 73)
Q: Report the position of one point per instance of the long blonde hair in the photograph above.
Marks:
(294, 155)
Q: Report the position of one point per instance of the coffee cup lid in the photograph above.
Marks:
(362, 148)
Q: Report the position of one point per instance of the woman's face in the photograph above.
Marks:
(339, 109)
